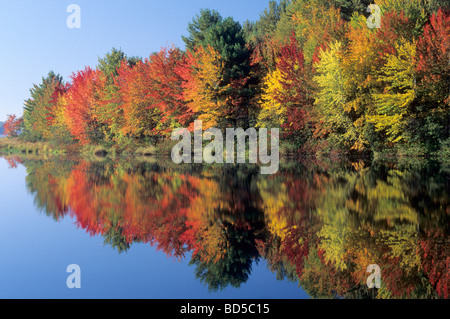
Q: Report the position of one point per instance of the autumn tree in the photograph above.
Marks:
(333, 120)
(261, 34)
(226, 37)
(433, 78)
(167, 89)
(151, 94)
(203, 91)
(140, 116)
(82, 101)
(37, 108)
(295, 95)
(311, 20)
(12, 126)
(56, 117)
(272, 113)
(393, 105)
(107, 112)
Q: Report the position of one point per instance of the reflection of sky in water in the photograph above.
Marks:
(36, 250)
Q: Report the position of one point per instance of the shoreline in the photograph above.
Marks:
(14, 146)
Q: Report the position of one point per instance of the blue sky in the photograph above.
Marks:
(35, 38)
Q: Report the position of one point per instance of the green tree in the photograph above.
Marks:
(226, 37)
(109, 115)
(110, 63)
(349, 7)
(200, 26)
(36, 108)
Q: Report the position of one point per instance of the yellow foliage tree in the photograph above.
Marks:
(398, 77)
(203, 87)
(272, 113)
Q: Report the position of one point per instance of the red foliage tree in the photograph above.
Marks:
(433, 58)
(12, 126)
(167, 90)
(151, 93)
(295, 94)
(81, 103)
(395, 26)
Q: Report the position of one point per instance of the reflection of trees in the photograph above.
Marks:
(359, 217)
(320, 227)
(322, 280)
(114, 237)
(45, 180)
(232, 224)
(234, 265)
(374, 216)
(434, 251)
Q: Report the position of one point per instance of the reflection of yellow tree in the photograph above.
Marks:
(274, 200)
(371, 220)
(209, 201)
(321, 280)
(286, 202)
(332, 211)
(50, 191)
(385, 200)
(214, 243)
(393, 218)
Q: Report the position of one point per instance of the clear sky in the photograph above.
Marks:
(35, 39)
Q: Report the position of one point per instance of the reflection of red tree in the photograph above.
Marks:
(296, 248)
(149, 210)
(84, 204)
(398, 282)
(160, 218)
(436, 262)
(190, 235)
(13, 161)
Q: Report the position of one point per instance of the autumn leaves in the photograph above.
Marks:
(321, 75)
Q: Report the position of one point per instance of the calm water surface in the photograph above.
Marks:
(155, 230)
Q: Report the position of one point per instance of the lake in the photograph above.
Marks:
(153, 229)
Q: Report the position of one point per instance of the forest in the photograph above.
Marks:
(312, 68)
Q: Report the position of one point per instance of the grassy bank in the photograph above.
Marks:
(12, 146)
(145, 152)
(16, 146)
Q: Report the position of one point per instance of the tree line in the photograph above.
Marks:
(312, 68)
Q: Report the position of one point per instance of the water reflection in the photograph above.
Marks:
(318, 224)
